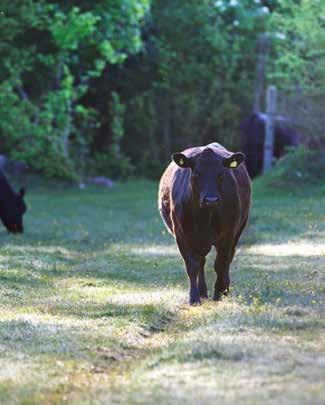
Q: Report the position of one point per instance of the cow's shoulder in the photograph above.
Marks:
(180, 190)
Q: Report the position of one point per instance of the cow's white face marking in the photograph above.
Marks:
(233, 164)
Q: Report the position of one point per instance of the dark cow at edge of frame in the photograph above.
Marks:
(204, 200)
(12, 206)
(252, 131)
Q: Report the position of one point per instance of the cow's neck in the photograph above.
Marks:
(202, 219)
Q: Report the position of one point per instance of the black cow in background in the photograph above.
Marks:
(252, 138)
(12, 206)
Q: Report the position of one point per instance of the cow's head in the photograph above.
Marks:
(207, 174)
(12, 214)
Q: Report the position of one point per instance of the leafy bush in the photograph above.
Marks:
(51, 52)
(300, 166)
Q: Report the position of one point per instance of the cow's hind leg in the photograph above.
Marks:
(203, 289)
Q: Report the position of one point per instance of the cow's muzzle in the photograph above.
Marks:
(15, 229)
(211, 202)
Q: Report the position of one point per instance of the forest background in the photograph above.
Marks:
(114, 87)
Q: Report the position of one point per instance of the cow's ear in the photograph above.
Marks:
(181, 160)
(234, 160)
(22, 192)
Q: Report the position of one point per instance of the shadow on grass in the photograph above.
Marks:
(269, 279)
(35, 338)
(78, 248)
(149, 265)
(13, 280)
(70, 335)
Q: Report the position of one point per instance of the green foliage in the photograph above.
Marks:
(51, 52)
(300, 167)
(115, 85)
(202, 76)
(298, 63)
(299, 39)
(71, 28)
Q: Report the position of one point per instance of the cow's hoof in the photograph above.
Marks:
(204, 296)
(217, 296)
(195, 303)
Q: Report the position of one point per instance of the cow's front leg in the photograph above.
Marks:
(193, 269)
(203, 289)
(193, 265)
(221, 267)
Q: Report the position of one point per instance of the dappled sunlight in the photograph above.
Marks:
(116, 304)
(156, 250)
(122, 294)
(53, 323)
(143, 250)
(164, 297)
(300, 248)
(259, 264)
(18, 369)
(224, 358)
(224, 381)
(38, 249)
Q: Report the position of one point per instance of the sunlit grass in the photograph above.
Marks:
(94, 307)
(156, 250)
(300, 248)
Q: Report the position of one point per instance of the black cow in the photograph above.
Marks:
(12, 206)
(204, 200)
(252, 137)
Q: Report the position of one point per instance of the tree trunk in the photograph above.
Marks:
(66, 132)
(262, 52)
(152, 128)
(166, 130)
(269, 128)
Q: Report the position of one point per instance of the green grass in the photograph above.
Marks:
(94, 304)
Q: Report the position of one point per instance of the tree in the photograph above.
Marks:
(298, 33)
(52, 51)
(201, 57)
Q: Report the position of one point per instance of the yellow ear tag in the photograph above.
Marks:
(181, 162)
(233, 163)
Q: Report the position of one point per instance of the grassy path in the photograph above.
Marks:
(93, 304)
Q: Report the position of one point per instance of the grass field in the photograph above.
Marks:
(94, 304)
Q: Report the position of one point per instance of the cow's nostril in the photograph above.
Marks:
(212, 200)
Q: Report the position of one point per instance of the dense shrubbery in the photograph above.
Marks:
(301, 166)
(52, 52)
(115, 86)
